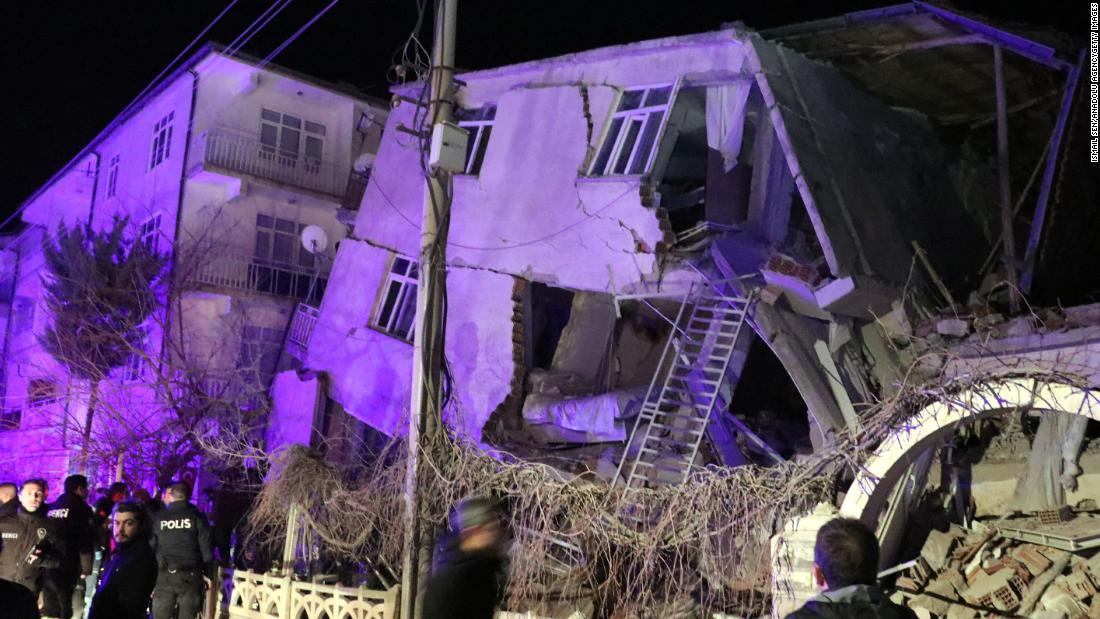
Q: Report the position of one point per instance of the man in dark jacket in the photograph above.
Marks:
(27, 544)
(181, 540)
(71, 518)
(470, 583)
(846, 567)
(130, 575)
(103, 509)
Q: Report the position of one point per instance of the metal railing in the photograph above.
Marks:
(237, 270)
(243, 153)
(301, 328)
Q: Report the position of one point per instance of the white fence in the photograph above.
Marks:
(248, 595)
(301, 328)
(237, 152)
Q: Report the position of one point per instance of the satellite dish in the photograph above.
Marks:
(363, 162)
(314, 239)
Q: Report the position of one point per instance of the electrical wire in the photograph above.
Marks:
(246, 35)
(297, 33)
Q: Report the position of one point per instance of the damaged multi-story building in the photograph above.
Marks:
(622, 211)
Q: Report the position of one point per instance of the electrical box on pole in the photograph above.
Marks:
(448, 150)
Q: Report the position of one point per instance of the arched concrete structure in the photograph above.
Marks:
(871, 488)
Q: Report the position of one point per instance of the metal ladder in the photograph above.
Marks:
(673, 419)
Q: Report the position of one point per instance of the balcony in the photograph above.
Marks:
(237, 270)
(240, 153)
(301, 328)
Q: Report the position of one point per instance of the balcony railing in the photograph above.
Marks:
(238, 271)
(241, 153)
(301, 328)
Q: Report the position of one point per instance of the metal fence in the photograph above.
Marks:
(242, 153)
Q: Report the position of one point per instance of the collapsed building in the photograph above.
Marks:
(723, 248)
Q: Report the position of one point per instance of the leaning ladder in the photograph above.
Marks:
(673, 419)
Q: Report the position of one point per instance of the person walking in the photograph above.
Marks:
(131, 574)
(181, 541)
(71, 518)
(469, 583)
(27, 544)
(846, 568)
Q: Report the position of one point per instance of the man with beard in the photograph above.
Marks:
(71, 518)
(130, 575)
(28, 545)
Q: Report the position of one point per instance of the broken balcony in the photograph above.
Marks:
(238, 153)
(301, 329)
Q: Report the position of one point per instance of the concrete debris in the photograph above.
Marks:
(953, 327)
(963, 573)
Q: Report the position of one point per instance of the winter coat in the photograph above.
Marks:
(128, 581)
(853, 602)
(72, 518)
(468, 586)
(21, 533)
(181, 538)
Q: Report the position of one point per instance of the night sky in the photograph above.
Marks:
(71, 66)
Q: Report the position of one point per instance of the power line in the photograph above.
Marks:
(297, 33)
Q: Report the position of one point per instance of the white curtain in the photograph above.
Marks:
(726, 119)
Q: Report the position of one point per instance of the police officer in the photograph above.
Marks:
(71, 518)
(181, 540)
(27, 545)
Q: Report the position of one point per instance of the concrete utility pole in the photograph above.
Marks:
(425, 414)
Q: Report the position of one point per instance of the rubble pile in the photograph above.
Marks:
(1045, 565)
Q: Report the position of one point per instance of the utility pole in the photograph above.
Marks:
(425, 415)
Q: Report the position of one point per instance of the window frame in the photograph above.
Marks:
(134, 368)
(112, 176)
(406, 282)
(161, 144)
(479, 130)
(641, 114)
(305, 133)
(149, 232)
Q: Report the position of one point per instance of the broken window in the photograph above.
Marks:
(479, 124)
(161, 147)
(397, 314)
(628, 145)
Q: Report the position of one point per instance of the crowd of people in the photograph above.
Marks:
(155, 553)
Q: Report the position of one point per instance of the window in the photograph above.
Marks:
(22, 314)
(112, 177)
(149, 233)
(162, 141)
(479, 123)
(258, 354)
(629, 143)
(41, 392)
(397, 316)
(280, 265)
(135, 361)
(289, 140)
(10, 419)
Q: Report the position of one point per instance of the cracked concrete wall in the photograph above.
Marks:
(371, 371)
(531, 212)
